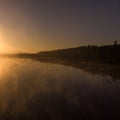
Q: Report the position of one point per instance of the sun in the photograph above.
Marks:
(3, 48)
(2, 45)
(6, 47)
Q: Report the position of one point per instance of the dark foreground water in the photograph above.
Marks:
(32, 90)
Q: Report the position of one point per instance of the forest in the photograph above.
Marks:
(96, 59)
(107, 54)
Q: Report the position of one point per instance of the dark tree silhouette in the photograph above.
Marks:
(108, 54)
(115, 42)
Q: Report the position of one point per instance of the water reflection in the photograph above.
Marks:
(35, 90)
(91, 67)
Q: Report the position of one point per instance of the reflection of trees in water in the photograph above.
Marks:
(55, 92)
(94, 68)
(95, 57)
(51, 96)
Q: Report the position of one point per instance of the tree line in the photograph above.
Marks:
(103, 54)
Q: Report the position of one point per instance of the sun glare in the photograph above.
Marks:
(4, 47)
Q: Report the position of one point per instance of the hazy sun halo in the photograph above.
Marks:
(5, 47)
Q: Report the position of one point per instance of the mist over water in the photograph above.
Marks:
(31, 89)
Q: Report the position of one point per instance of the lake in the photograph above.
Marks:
(34, 90)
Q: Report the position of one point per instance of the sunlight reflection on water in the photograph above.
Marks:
(37, 90)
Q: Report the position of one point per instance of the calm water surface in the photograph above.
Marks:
(33, 90)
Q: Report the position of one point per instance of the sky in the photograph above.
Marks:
(38, 25)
